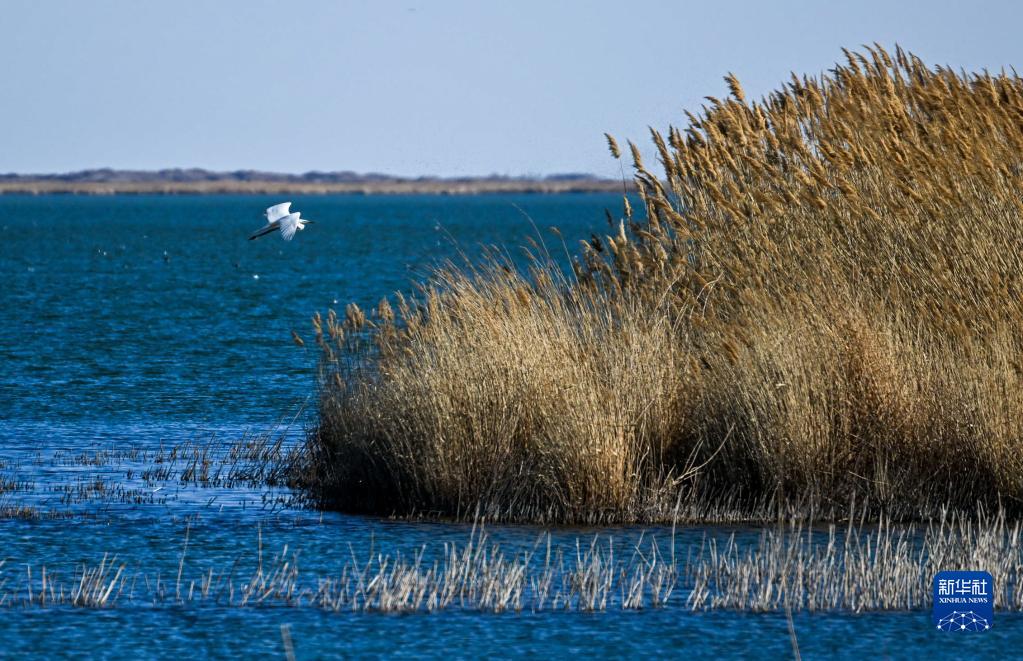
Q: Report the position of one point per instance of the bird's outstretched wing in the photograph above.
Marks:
(289, 225)
(278, 211)
(266, 229)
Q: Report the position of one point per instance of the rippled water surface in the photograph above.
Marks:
(135, 325)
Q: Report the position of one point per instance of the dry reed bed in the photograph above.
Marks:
(820, 305)
(791, 567)
(860, 568)
(477, 575)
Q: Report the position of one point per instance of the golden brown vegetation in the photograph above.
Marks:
(820, 305)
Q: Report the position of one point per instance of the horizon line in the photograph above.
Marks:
(179, 174)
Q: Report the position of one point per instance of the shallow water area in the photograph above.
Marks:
(145, 336)
(316, 634)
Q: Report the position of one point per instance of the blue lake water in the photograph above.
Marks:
(136, 324)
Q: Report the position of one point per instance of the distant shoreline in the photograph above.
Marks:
(275, 188)
(203, 182)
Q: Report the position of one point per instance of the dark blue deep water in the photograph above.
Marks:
(133, 325)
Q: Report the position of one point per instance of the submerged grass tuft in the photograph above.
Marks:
(792, 566)
(820, 306)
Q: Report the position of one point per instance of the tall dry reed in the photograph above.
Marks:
(821, 304)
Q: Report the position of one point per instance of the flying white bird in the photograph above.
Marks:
(278, 217)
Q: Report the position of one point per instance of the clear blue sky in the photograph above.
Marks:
(415, 87)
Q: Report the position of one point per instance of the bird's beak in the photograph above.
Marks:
(310, 222)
